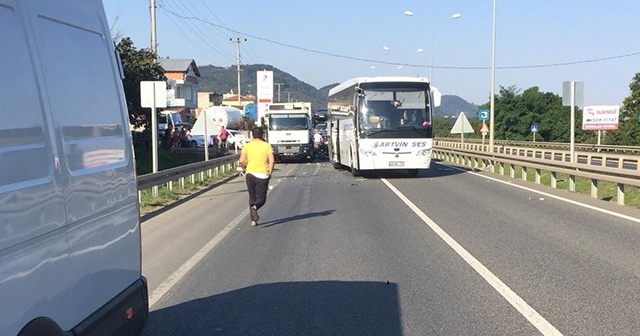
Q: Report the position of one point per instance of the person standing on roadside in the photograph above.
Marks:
(257, 160)
(223, 137)
(317, 141)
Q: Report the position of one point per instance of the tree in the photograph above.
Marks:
(138, 65)
(515, 112)
(629, 131)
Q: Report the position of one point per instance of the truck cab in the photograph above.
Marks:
(289, 127)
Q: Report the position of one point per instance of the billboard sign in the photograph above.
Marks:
(264, 86)
(600, 117)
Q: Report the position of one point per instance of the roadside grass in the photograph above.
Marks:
(179, 189)
(607, 191)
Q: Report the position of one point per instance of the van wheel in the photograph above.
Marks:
(41, 326)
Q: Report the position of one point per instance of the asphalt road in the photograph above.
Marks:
(450, 252)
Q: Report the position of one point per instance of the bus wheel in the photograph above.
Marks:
(354, 172)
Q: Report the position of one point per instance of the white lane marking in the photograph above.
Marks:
(174, 278)
(560, 198)
(514, 299)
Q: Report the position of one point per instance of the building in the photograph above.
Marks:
(231, 99)
(206, 99)
(183, 77)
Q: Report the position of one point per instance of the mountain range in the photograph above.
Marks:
(224, 80)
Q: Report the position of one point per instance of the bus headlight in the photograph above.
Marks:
(367, 152)
(424, 152)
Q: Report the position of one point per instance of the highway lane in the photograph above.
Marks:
(337, 255)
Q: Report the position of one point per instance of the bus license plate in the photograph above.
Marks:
(396, 163)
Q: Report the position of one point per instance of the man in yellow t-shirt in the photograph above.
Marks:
(257, 160)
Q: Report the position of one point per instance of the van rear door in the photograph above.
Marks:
(91, 129)
(33, 241)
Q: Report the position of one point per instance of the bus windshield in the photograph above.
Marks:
(292, 121)
(387, 109)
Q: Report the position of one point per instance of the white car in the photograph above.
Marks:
(197, 141)
(235, 135)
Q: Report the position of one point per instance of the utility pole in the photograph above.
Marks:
(237, 42)
(154, 42)
(278, 84)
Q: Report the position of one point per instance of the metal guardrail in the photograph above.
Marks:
(603, 159)
(635, 150)
(192, 171)
(481, 160)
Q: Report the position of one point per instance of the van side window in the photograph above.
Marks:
(22, 137)
(92, 135)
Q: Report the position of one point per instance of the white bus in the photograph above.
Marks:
(382, 123)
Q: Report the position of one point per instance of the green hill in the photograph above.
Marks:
(224, 80)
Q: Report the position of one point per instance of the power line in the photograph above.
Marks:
(195, 30)
(353, 58)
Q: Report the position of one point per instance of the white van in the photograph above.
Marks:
(70, 260)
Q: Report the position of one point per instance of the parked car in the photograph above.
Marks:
(197, 141)
(235, 135)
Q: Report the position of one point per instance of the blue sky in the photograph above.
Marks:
(329, 41)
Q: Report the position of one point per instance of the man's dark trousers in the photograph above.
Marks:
(257, 191)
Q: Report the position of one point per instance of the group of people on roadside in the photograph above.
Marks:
(174, 138)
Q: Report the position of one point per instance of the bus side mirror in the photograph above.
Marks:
(437, 96)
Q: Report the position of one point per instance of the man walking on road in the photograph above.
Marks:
(257, 160)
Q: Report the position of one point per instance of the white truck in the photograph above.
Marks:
(289, 128)
(70, 243)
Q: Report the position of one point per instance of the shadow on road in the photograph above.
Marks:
(286, 308)
(297, 217)
(436, 170)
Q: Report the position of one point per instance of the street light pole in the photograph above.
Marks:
(431, 22)
(493, 81)
(431, 57)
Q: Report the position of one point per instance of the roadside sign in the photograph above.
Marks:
(484, 129)
(153, 94)
(483, 114)
(600, 117)
(578, 93)
(462, 125)
(534, 128)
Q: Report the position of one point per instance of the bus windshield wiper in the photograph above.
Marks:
(373, 131)
(421, 130)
